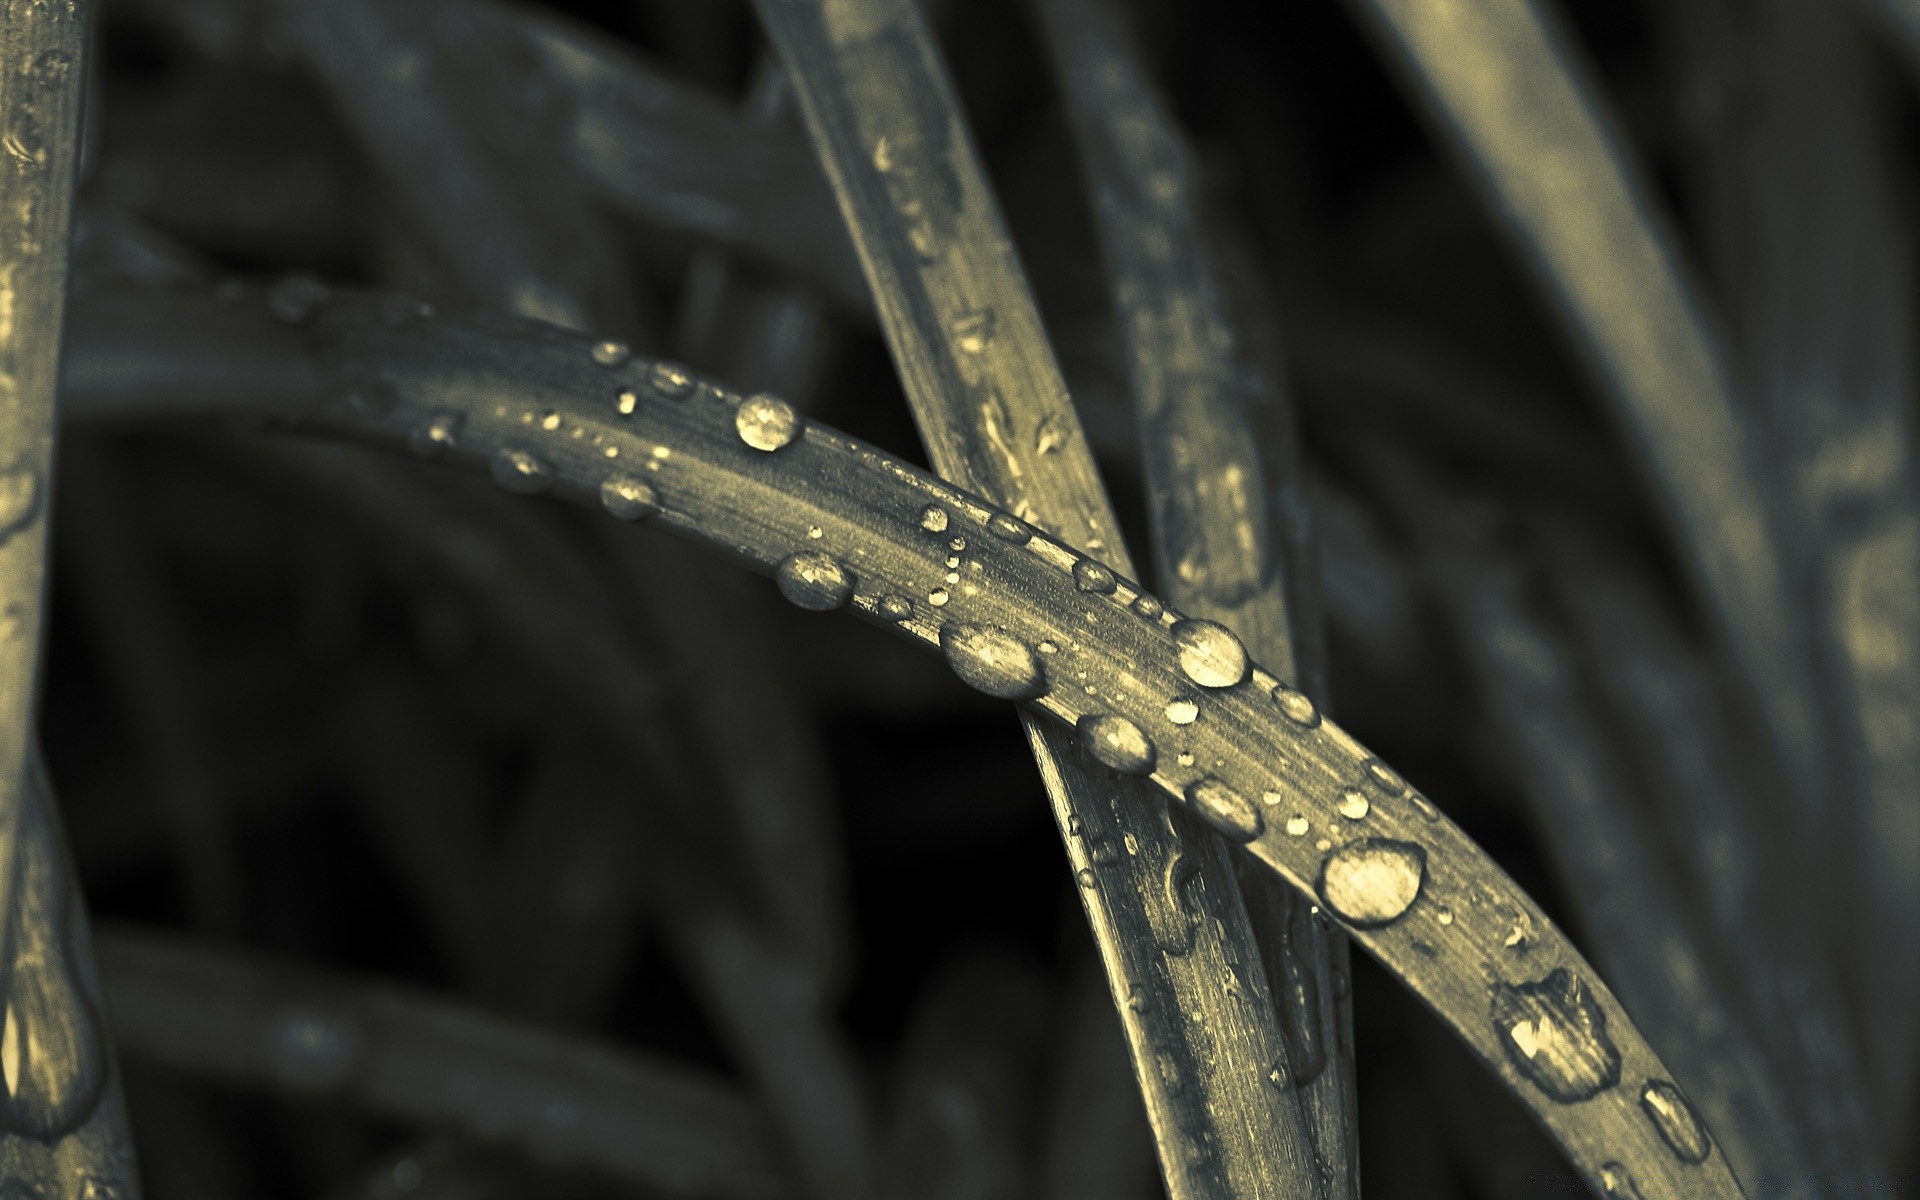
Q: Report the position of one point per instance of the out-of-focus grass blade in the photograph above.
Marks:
(1813, 241)
(1513, 96)
(217, 1013)
(842, 526)
(62, 1110)
(994, 415)
(1219, 548)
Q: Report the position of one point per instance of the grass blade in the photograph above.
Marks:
(692, 459)
(994, 415)
(1220, 551)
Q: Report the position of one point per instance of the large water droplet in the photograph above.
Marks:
(1210, 654)
(628, 498)
(520, 472)
(993, 661)
(670, 380)
(1295, 704)
(435, 435)
(19, 499)
(1556, 1034)
(1372, 882)
(1090, 576)
(1678, 1124)
(1118, 743)
(611, 354)
(1225, 809)
(814, 580)
(767, 422)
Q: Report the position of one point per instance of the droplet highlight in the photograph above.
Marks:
(520, 472)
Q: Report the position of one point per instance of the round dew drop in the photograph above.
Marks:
(1296, 706)
(814, 581)
(1118, 743)
(628, 498)
(767, 422)
(1147, 607)
(1090, 576)
(611, 354)
(1182, 710)
(1354, 805)
(1372, 882)
(1225, 809)
(520, 472)
(933, 519)
(993, 661)
(1210, 654)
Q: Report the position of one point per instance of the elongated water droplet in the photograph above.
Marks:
(814, 580)
(628, 498)
(1678, 1124)
(1372, 882)
(1090, 576)
(611, 354)
(1148, 607)
(1225, 809)
(670, 380)
(1296, 706)
(520, 472)
(767, 422)
(933, 519)
(1009, 529)
(1617, 1183)
(19, 499)
(1182, 710)
(1210, 654)
(436, 435)
(993, 661)
(1555, 1033)
(1118, 743)
(1354, 805)
(1386, 777)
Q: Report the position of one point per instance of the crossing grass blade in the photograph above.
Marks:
(1407, 884)
(993, 412)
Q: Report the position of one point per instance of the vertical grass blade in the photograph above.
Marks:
(1219, 546)
(995, 417)
(1513, 98)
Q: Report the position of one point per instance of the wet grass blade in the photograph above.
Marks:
(1220, 544)
(404, 1055)
(1513, 97)
(744, 478)
(995, 417)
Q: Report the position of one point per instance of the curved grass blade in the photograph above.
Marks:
(404, 1055)
(1409, 886)
(1511, 95)
(994, 415)
(1219, 548)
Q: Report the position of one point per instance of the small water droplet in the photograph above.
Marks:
(938, 597)
(1132, 843)
(550, 421)
(1444, 916)
(814, 581)
(1118, 743)
(626, 402)
(611, 353)
(1225, 809)
(295, 298)
(1423, 806)
(1210, 654)
(435, 435)
(520, 472)
(1354, 805)
(1009, 529)
(956, 545)
(1049, 437)
(1277, 1076)
(1678, 1124)
(1385, 777)
(670, 380)
(1146, 606)
(974, 331)
(933, 519)
(1185, 758)
(767, 422)
(1297, 825)
(894, 608)
(1617, 1183)
(1296, 706)
(1372, 882)
(1085, 876)
(1555, 1033)
(993, 661)
(1183, 710)
(628, 498)
(1090, 576)
(1101, 852)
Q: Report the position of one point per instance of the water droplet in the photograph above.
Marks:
(551, 421)
(933, 519)
(1616, 1183)
(1297, 825)
(973, 331)
(1146, 606)
(1385, 776)
(1423, 806)
(670, 380)
(894, 608)
(1009, 529)
(1354, 806)
(1295, 704)
(626, 402)
(19, 499)
(1090, 576)
(1372, 882)
(1444, 916)
(295, 298)
(1277, 1076)
(96, 1188)
(435, 435)
(767, 422)
(993, 661)
(628, 498)
(814, 580)
(1225, 809)
(520, 472)
(1131, 843)
(1555, 1033)
(1210, 654)
(1678, 1124)
(611, 354)
(1185, 758)
(1049, 437)
(1182, 710)
(1118, 743)
(956, 545)
(938, 597)
(1085, 876)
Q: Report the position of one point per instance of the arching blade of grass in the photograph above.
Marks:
(840, 525)
(1512, 97)
(408, 1056)
(1221, 544)
(994, 415)
(62, 1110)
